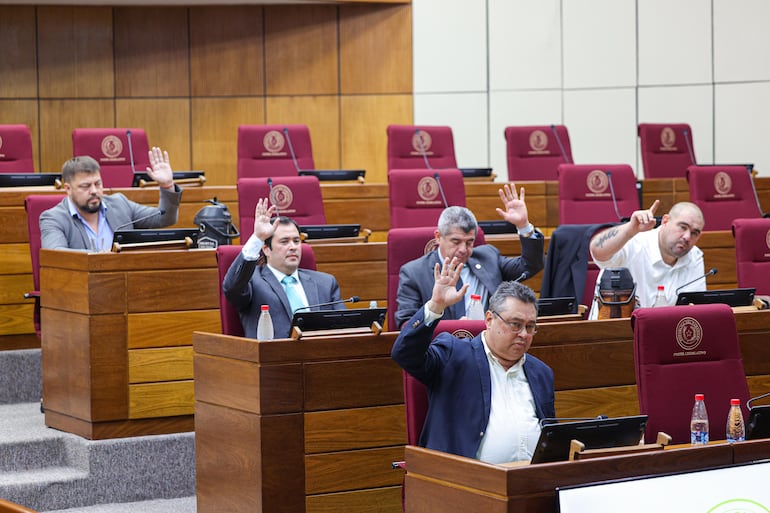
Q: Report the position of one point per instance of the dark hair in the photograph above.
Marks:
(284, 221)
(75, 165)
(511, 289)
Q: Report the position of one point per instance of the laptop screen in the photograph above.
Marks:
(732, 297)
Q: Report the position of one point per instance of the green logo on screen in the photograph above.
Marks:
(739, 506)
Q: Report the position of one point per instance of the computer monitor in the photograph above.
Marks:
(334, 174)
(28, 179)
(598, 433)
(156, 235)
(556, 306)
(178, 175)
(731, 297)
(330, 231)
(497, 226)
(476, 172)
(319, 320)
(758, 423)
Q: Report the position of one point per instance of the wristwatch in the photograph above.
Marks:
(527, 231)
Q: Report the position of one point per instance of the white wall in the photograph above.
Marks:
(598, 66)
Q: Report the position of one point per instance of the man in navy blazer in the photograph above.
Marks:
(248, 285)
(485, 268)
(486, 395)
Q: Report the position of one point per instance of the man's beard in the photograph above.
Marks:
(92, 208)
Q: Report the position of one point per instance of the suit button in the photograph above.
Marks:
(481, 434)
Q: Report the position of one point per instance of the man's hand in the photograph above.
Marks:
(445, 291)
(263, 228)
(160, 171)
(644, 220)
(515, 208)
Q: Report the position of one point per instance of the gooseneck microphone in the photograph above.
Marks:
(441, 189)
(686, 134)
(422, 149)
(130, 151)
(522, 277)
(352, 299)
(614, 198)
(131, 223)
(272, 200)
(712, 271)
(567, 160)
(291, 148)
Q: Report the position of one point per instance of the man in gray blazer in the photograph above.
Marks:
(279, 282)
(484, 268)
(87, 219)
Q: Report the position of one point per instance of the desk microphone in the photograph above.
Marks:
(712, 271)
(130, 151)
(440, 189)
(291, 148)
(422, 151)
(522, 277)
(686, 134)
(131, 223)
(272, 199)
(561, 146)
(352, 299)
(556, 420)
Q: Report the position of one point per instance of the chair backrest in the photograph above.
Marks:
(231, 320)
(415, 393)
(265, 150)
(723, 193)
(111, 149)
(16, 149)
(415, 196)
(534, 152)
(410, 145)
(752, 253)
(585, 193)
(680, 351)
(298, 197)
(667, 149)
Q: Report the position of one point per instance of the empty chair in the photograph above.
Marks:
(298, 197)
(266, 150)
(752, 253)
(534, 152)
(680, 351)
(420, 147)
(723, 193)
(15, 149)
(667, 149)
(119, 151)
(586, 193)
(415, 196)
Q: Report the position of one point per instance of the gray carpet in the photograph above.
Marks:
(183, 505)
(20, 377)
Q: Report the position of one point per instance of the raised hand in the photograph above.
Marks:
(263, 228)
(515, 208)
(160, 171)
(644, 220)
(445, 291)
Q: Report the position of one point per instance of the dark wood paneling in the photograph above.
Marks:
(342, 430)
(380, 500)
(166, 329)
(75, 291)
(193, 289)
(18, 60)
(352, 383)
(340, 471)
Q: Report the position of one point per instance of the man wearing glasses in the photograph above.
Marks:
(487, 394)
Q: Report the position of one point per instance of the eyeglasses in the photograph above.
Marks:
(516, 326)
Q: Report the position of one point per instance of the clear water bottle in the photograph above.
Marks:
(265, 324)
(699, 422)
(372, 304)
(735, 430)
(660, 297)
(475, 311)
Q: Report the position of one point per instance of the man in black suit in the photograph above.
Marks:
(484, 268)
(278, 282)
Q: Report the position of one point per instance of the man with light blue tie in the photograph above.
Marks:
(278, 281)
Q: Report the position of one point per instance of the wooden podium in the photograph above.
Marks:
(117, 338)
(298, 426)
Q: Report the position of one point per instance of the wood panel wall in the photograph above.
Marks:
(191, 75)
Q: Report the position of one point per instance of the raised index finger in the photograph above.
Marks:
(654, 206)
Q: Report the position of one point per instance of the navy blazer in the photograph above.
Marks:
(456, 373)
(249, 286)
(415, 279)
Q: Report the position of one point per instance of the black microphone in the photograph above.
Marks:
(291, 148)
(712, 271)
(523, 277)
(614, 199)
(272, 200)
(754, 190)
(561, 146)
(352, 299)
(686, 132)
(156, 213)
(130, 150)
(440, 189)
(422, 150)
(556, 420)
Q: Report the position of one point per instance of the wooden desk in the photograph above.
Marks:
(298, 426)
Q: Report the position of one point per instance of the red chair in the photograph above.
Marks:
(534, 152)
(298, 197)
(231, 320)
(723, 193)
(36, 204)
(752, 253)
(16, 149)
(667, 149)
(585, 193)
(415, 197)
(680, 351)
(266, 150)
(113, 149)
(410, 146)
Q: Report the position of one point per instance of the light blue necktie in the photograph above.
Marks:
(295, 301)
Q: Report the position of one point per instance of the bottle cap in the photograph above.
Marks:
(735, 402)
(699, 397)
(265, 308)
(660, 287)
(475, 297)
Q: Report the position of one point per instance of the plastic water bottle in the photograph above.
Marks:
(265, 324)
(372, 304)
(660, 297)
(475, 312)
(699, 422)
(735, 430)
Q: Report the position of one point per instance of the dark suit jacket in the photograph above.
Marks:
(249, 286)
(415, 280)
(456, 373)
